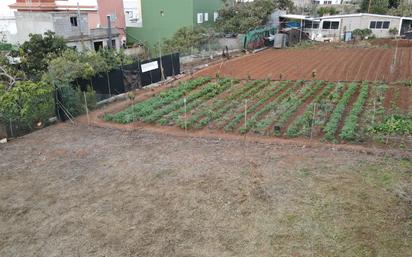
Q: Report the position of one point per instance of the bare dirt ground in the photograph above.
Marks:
(85, 191)
(344, 64)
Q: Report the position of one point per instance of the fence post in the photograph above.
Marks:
(87, 108)
(108, 83)
(185, 102)
(11, 128)
(313, 121)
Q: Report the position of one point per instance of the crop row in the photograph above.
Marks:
(210, 89)
(351, 121)
(294, 105)
(148, 106)
(250, 123)
(219, 107)
(307, 117)
(332, 125)
(276, 106)
(212, 115)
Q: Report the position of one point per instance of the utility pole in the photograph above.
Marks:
(109, 31)
(79, 23)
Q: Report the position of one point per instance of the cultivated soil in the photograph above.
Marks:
(73, 190)
(343, 64)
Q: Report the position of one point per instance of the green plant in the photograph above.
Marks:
(306, 119)
(332, 125)
(232, 124)
(393, 31)
(327, 11)
(27, 102)
(362, 33)
(351, 122)
(149, 106)
(37, 52)
(394, 125)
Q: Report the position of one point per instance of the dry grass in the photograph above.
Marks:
(73, 191)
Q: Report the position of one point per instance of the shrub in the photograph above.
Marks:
(27, 102)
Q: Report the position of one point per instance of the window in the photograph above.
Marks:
(73, 21)
(327, 2)
(200, 18)
(335, 25)
(114, 43)
(326, 25)
(206, 16)
(330, 25)
(215, 16)
(98, 45)
(129, 14)
(310, 24)
(378, 24)
(316, 2)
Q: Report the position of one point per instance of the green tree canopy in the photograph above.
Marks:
(186, 38)
(243, 17)
(38, 51)
(327, 11)
(375, 6)
(27, 102)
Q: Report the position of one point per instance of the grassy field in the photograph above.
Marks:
(85, 191)
(336, 112)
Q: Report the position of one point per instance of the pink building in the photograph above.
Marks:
(97, 10)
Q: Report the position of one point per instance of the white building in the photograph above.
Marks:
(340, 27)
(327, 2)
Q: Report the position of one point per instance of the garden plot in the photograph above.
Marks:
(335, 112)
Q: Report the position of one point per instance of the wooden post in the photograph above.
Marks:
(87, 108)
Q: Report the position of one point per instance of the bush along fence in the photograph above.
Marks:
(132, 76)
(117, 81)
(66, 94)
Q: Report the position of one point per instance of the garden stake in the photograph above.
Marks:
(87, 109)
(185, 101)
(313, 120)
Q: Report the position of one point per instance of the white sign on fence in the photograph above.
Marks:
(150, 66)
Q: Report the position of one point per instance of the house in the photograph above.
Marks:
(75, 20)
(72, 26)
(340, 27)
(162, 18)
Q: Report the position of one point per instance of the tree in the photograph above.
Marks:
(186, 38)
(243, 17)
(375, 6)
(327, 10)
(27, 102)
(38, 51)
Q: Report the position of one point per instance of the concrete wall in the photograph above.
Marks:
(63, 27)
(32, 22)
(8, 29)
